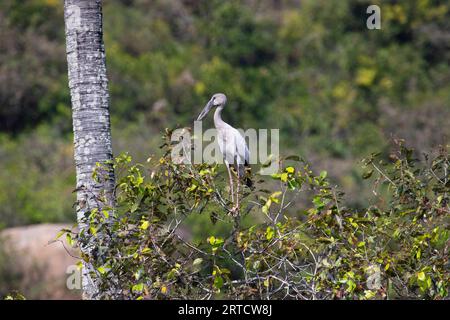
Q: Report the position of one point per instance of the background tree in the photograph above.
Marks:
(90, 111)
(337, 101)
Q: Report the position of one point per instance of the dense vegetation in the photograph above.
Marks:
(396, 249)
(336, 90)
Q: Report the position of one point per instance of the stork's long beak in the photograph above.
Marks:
(205, 110)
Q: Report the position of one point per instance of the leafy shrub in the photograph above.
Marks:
(395, 249)
(14, 295)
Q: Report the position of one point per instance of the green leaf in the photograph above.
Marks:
(136, 204)
(276, 194)
(275, 176)
(218, 282)
(351, 285)
(292, 184)
(104, 269)
(197, 261)
(290, 169)
(105, 213)
(138, 288)
(138, 274)
(69, 239)
(269, 233)
(139, 181)
(93, 230)
(368, 294)
(367, 174)
(421, 276)
(145, 224)
(418, 254)
(317, 200)
(59, 234)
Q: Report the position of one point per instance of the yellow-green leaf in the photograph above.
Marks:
(145, 224)
(290, 170)
(421, 276)
(269, 233)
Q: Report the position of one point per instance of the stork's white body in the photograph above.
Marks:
(232, 144)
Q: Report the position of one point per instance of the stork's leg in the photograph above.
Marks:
(238, 174)
(230, 181)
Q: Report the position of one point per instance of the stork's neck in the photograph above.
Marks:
(218, 122)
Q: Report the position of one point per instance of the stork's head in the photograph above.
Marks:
(217, 100)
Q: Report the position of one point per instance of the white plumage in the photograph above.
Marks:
(232, 144)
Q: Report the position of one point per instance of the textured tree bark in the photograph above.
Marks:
(90, 114)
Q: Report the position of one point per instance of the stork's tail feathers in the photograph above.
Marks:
(248, 182)
(247, 175)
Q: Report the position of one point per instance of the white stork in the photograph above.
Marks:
(231, 144)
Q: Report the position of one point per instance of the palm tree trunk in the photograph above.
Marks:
(90, 111)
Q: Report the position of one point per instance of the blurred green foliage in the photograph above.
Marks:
(337, 90)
